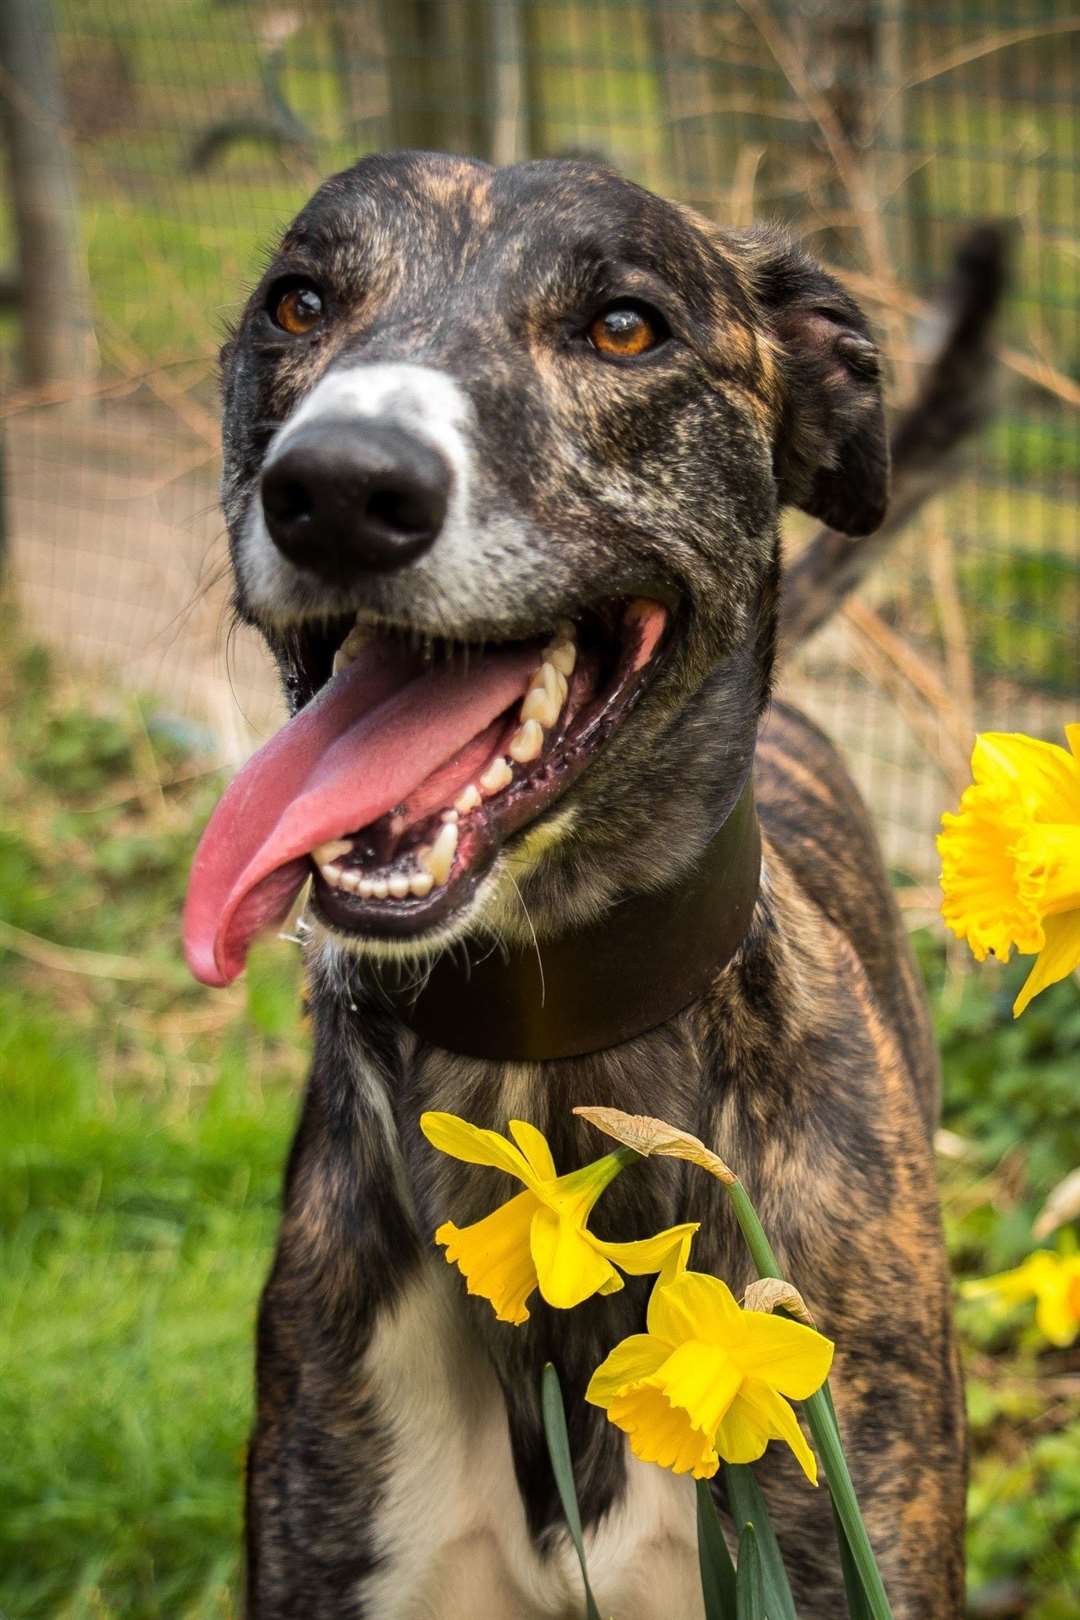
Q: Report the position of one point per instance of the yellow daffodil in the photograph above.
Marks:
(1011, 855)
(709, 1380)
(1053, 1280)
(539, 1239)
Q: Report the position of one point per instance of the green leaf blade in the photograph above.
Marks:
(558, 1444)
(750, 1580)
(748, 1507)
(714, 1560)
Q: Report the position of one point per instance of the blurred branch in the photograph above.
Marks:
(22, 400)
(983, 47)
(92, 964)
(276, 125)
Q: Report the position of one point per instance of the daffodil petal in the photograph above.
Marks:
(702, 1380)
(1055, 1317)
(741, 1435)
(644, 1256)
(493, 1256)
(633, 1359)
(568, 1267)
(792, 1358)
(461, 1140)
(1047, 776)
(533, 1144)
(1057, 959)
(695, 1306)
(777, 1420)
(676, 1260)
(662, 1433)
(1011, 1287)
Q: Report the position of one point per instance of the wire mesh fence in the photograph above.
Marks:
(183, 135)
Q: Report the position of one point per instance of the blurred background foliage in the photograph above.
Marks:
(143, 1120)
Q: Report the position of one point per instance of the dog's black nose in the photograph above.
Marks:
(345, 496)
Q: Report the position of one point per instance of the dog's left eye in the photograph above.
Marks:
(296, 307)
(626, 330)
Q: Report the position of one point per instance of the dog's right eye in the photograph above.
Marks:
(295, 306)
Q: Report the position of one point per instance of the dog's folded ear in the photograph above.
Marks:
(832, 451)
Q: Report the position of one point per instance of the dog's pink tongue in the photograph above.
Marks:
(367, 741)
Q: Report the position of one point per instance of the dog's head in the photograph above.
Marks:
(505, 449)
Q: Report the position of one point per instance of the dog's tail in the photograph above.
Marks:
(954, 400)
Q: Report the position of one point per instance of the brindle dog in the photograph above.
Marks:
(465, 406)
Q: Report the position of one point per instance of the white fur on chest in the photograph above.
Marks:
(450, 1528)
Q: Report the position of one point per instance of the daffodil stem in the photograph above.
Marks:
(821, 1416)
(752, 1230)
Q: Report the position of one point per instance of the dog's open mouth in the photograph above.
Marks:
(398, 783)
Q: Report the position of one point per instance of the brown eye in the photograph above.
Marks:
(624, 331)
(297, 309)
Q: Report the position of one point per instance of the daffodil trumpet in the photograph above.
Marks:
(1010, 856)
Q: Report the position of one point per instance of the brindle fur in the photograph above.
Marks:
(809, 1065)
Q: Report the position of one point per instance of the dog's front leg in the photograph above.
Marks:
(380, 1476)
(346, 1250)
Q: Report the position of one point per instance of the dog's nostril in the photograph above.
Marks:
(400, 511)
(289, 501)
(342, 497)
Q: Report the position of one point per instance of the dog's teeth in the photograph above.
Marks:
(467, 800)
(545, 697)
(330, 873)
(380, 888)
(351, 882)
(539, 707)
(552, 681)
(398, 885)
(527, 742)
(421, 884)
(365, 889)
(438, 858)
(497, 776)
(450, 817)
(349, 648)
(326, 854)
(563, 654)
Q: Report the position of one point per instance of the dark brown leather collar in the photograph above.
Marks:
(635, 968)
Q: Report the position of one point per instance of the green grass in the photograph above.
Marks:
(143, 1124)
(143, 1127)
